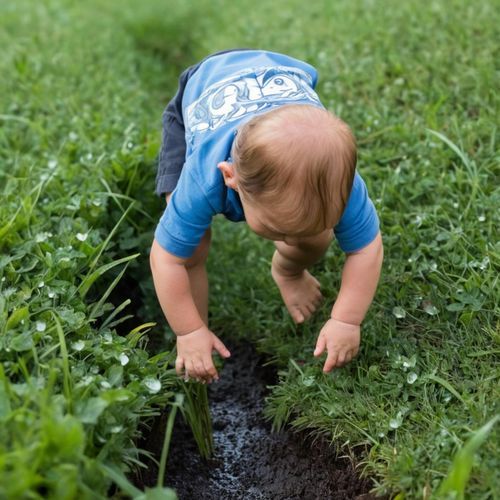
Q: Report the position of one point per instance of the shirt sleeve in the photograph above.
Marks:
(186, 218)
(359, 223)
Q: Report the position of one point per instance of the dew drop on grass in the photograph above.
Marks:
(153, 385)
(41, 326)
(394, 423)
(124, 359)
(78, 345)
(41, 237)
(412, 376)
(430, 308)
(399, 312)
(81, 236)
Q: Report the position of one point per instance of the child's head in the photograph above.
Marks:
(293, 169)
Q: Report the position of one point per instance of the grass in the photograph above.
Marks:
(81, 100)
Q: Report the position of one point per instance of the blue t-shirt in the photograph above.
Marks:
(224, 92)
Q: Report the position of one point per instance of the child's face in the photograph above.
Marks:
(262, 224)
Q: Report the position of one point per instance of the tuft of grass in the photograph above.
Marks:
(454, 484)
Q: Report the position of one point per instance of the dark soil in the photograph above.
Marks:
(250, 461)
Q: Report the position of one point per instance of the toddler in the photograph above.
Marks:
(247, 136)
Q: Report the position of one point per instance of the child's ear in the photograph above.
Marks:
(229, 174)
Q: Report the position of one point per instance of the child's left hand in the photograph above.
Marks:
(341, 340)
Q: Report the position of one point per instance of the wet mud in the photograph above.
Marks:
(250, 462)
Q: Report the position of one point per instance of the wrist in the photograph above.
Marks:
(186, 331)
(348, 322)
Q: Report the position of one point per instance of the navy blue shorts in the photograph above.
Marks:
(173, 145)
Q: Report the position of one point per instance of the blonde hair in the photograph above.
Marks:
(299, 159)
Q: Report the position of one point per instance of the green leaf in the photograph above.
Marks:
(117, 395)
(16, 317)
(90, 410)
(115, 375)
(23, 342)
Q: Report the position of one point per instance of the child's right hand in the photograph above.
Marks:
(194, 354)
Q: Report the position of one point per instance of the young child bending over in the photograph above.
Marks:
(246, 136)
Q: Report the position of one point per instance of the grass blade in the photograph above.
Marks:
(65, 363)
(447, 386)
(166, 440)
(458, 476)
(88, 281)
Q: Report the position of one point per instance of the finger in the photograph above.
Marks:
(199, 368)
(349, 357)
(179, 366)
(341, 358)
(210, 370)
(221, 348)
(189, 370)
(320, 346)
(331, 362)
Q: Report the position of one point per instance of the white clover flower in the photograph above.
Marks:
(41, 326)
(52, 164)
(81, 236)
(412, 376)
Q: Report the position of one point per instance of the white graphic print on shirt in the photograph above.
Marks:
(246, 92)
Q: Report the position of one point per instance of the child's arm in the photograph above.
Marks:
(341, 334)
(195, 341)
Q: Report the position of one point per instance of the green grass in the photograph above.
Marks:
(81, 95)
